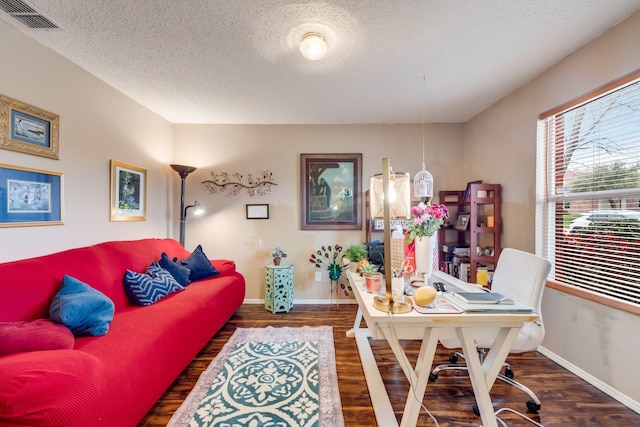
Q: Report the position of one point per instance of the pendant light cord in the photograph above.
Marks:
(424, 116)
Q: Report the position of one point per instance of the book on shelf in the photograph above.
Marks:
(483, 298)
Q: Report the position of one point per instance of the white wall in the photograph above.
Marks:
(97, 124)
(501, 143)
(225, 233)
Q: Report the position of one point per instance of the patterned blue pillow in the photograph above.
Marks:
(148, 288)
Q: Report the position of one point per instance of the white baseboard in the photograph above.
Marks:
(602, 386)
(305, 301)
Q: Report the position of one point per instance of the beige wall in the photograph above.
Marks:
(224, 231)
(502, 142)
(97, 124)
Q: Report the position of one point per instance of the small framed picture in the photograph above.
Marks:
(28, 129)
(462, 222)
(128, 192)
(30, 197)
(257, 211)
(467, 191)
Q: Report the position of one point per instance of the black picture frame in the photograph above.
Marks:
(331, 191)
(467, 191)
(462, 221)
(257, 211)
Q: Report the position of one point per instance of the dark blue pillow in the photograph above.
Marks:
(177, 270)
(199, 265)
(148, 288)
(84, 310)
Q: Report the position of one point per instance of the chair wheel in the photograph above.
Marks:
(476, 410)
(433, 377)
(453, 358)
(533, 407)
(508, 372)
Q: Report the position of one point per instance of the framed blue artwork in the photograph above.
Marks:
(28, 129)
(30, 197)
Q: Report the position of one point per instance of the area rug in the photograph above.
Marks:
(273, 377)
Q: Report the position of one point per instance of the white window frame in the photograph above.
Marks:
(552, 199)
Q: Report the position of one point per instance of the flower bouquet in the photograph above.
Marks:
(426, 220)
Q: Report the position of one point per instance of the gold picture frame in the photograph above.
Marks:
(128, 192)
(30, 197)
(28, 129)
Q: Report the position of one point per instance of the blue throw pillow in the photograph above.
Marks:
(199, 265)
(148, 288)
(177, 270)
(84, 310)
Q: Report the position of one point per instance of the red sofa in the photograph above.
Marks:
(114, 379)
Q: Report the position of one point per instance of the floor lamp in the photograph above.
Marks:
(183, 171)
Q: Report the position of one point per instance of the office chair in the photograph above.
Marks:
(520, 276)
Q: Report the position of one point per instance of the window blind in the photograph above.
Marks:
(589, 191)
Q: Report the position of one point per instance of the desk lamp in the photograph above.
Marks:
(386, 302)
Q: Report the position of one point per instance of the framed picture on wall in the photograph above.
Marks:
(30, 197)
(331, 191)
(128, 192)
(28, 129)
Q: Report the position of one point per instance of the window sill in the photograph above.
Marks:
(582, 293)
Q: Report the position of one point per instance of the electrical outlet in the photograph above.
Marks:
(318, 276)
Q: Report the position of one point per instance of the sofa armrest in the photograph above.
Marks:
(49, 388)
(224, 266)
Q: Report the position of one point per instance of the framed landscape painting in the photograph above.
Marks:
(128, 192)
(28, 129)
(30, 197)
(331, 191)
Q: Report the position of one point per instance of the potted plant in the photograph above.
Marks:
(277, 253)
(355, 253)
(372, 277)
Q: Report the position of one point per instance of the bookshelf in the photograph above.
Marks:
(463, 252)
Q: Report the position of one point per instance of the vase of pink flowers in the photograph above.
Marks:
(426, 219)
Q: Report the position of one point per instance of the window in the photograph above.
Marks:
(588, 194)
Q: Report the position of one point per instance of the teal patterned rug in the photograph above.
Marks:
(272, 377)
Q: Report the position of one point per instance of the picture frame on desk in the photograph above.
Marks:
(467, 191)
(462, 221)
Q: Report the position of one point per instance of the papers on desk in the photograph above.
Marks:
(439, 306)
(483, 298)
(515, 307)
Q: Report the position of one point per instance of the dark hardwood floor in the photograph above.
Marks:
(566, 399)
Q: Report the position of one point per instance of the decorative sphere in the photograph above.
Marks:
(424, 295)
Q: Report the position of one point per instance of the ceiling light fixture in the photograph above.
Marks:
(313, 46)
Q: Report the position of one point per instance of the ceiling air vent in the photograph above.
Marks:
(27, 14)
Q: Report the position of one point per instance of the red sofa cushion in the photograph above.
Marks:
(37, 335)
(49, 388)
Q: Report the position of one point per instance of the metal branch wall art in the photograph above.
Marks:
(232, 184)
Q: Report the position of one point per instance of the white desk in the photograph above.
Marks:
(428, 328)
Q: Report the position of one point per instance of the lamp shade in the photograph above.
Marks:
(399, 196)
(313, 46)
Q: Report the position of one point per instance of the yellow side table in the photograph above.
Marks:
(278, 288)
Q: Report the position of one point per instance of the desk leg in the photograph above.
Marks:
(356, 324)
(484, 375)
(377, 392)
(418, 377)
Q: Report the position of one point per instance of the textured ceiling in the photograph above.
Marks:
(236, 61)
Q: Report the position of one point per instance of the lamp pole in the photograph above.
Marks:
(183, 171)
